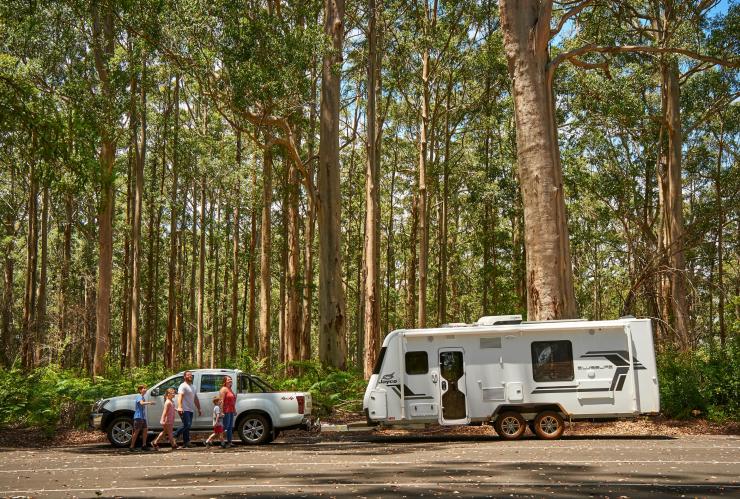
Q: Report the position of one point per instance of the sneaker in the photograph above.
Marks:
(207, 444)
(132, 449)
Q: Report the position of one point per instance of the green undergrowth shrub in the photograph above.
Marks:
(49, 397)
(706, 380)
(333, 392)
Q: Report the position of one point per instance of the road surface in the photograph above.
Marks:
(375, 465)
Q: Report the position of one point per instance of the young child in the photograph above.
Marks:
(218, 428)
(167, 420)
(140, 419)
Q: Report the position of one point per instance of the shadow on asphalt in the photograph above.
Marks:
(338, 444)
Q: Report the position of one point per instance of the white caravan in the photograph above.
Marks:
(514, 374)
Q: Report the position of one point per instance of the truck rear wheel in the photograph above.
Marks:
(549, 425)
(510, 425)
(255, 429)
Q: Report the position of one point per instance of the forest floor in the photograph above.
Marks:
(655, 426)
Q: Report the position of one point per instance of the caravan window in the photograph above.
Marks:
(417, 363)
(379, 362)
(552, 360)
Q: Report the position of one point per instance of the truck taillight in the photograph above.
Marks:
(301, 404)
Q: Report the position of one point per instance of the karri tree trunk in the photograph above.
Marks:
(201, 272)
(310, 227)
(28, 327)
(550, 290)
(251, 334)
(265, 249)
(136, 258)
(429, 22)
(41, 316)
(371, 258)
(235, 255)
(172, 275)
(292, 295)
(673, 227)
(103, 45)
(332, 315)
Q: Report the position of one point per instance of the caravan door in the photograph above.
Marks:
(452, 392)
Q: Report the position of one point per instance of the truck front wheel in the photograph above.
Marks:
(255, 429)
(120, 431)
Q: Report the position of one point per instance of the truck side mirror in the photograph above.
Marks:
(155, 392)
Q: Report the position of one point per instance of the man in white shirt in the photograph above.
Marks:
(187, 402)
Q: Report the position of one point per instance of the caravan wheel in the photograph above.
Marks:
(548, 425)
(510, 425)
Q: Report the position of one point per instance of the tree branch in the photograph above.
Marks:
(569, 15)
(586, 49)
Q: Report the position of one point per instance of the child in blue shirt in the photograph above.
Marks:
(140, 418)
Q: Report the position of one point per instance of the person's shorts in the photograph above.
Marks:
(139, 424)
(218, 428)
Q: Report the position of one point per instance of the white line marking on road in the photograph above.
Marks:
(380, 484)
(374, 463)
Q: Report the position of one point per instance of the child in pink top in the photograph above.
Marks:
(167, 420)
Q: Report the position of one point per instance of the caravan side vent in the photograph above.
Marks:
(490, 343)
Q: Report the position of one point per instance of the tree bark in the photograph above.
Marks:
(550, 290)
(720, 237)
(429, 23)
(673, 208)
(6, 314)
(41, 316)
(292, 296)
(201, 272)
(28, 327)
(309, 229)
(252, 335)
(103, 44)
(172, 274)
(139, 161)
(371, 271)
(332, 316)
(235, 254)
(265, 249)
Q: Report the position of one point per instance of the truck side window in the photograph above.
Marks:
(211, 382)
(242, 384)
(552, 360)
(417, 363)
(161, 389)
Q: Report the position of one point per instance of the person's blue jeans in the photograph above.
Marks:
(229, 426)
(187, 421)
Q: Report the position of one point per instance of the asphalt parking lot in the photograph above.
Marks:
(377, 465)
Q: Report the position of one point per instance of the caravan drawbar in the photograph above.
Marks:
(515, 374)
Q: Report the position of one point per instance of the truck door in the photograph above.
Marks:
(208, 387)
(156, 394)
(453, 393)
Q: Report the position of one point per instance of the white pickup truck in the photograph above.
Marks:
(261, 412)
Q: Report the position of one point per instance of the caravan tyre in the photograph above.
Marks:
(510, 425)
(549, 425)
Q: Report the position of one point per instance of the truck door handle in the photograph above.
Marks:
(443, 385)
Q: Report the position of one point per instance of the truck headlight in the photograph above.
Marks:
(98, 406)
